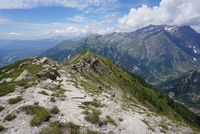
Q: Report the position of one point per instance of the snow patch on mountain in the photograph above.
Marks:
(170, 29)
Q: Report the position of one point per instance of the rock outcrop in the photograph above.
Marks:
(24, 75)
(48, 73)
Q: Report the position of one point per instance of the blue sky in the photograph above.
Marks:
(34, 19)
(55, 13)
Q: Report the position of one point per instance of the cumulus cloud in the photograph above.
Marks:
(23, 4)
(172, 12)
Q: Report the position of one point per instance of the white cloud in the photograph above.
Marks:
(81, 31)
(13, 34)
(10, 35)
(80, 4)
(109, 18)
(172, 12)
(77, 18)
(27, 30)
(71, 31)
(107, 30)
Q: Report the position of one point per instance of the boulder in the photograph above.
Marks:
(48, 73)
(47, 84)
(9, 71)
(23, 65)
(43, 60)
(6, 80)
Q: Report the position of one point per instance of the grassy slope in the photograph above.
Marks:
(14, 72)
(108, 75)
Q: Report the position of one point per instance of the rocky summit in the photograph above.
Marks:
(88, 94)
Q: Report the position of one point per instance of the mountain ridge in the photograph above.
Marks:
(97, 76)
(151, 52)
(91, 88)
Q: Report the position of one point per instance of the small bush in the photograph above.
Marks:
(6, 88)
(109, 120)
(74, 129)
(15, 100)
(54, 110)
(163, 127)
(36, 103)
(40, 114)
(53, 128)
(94, 103)
(1, 108)
(10, 117)
(52, 99)
(1, 128)
(91, 132)
(22, 83)
(58, 92)
(56, 128)
(92, 116)
(43, 92)
(121, 119)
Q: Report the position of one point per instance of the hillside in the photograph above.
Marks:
(87, 94)
(157, 53)
(185, 89)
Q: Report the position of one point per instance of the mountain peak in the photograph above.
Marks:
(168, 28)
(86, 54)
(151, 28)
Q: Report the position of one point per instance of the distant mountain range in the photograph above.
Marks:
(12, 50)
(157, 53)
(185, 89)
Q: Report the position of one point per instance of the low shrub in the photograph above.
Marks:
(54, 110)
(43, 92)
(92, 116)
(52, 99)
(40, 114)
(1, 128)
(74, 129)
(52, 128)
(1, 108)
(15, 100)
(10, 117)
(109, 120)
